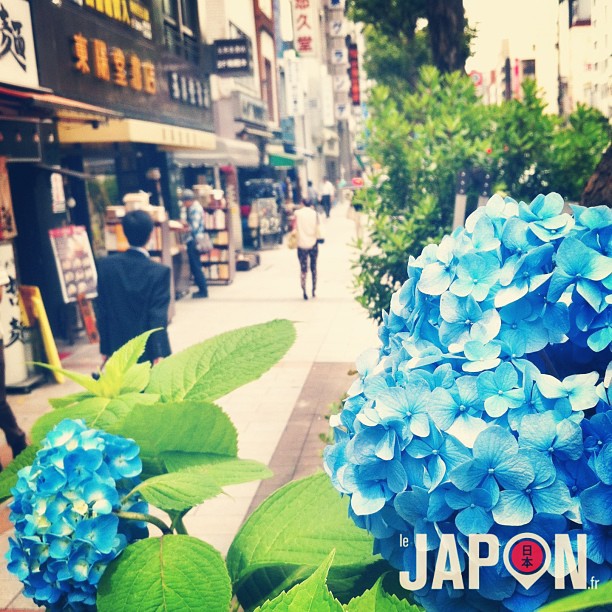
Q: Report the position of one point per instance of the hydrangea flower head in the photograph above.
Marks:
(64, 511)
(486, 408)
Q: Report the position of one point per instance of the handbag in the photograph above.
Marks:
(319, 233)
(204, 243)
(292, 240)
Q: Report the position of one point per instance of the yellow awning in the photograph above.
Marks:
(135, 130)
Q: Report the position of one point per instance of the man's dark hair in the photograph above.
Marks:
(137, 227)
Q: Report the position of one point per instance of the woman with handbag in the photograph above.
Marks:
(307, 228)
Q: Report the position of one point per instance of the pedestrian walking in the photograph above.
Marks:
(133, 293)
(307, 225)
(15, 437)
(311, 194)
(194, 218)
(327, 195)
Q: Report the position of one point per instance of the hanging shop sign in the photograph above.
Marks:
(305, 27)
(58, 196)
(233, 57)
(17, 54)
(288, 129)
(251, 110)
(132, 13)
(353, 55)
(339, 57)
(74, 261)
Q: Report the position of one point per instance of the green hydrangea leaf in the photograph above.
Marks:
(377, 600)
(264, 560)
(186, 427)
(86, 381)
(209, 370)
(178, 491)
(122, 372)
(223, 470)
(312, 594)
(601, 597)
(176, 572)
(69, 400)
(8, 476)
(97, 412)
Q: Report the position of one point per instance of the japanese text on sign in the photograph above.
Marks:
(233, 56)
(305, 24)
(188, 90)
(112, 65)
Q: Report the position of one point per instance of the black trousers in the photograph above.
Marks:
(326, 204)
(14, 434)
(196, 267)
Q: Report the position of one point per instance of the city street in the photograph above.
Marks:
(278, 417)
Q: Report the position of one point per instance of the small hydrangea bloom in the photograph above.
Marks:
(64, 512)
(487, 407)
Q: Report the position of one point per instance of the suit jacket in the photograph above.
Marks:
(133, 297)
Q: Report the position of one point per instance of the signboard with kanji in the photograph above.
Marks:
(355, 93)
(305, 27)
(233, 57)
(17, 54)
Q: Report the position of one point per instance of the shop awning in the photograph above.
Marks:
(134, 130)
(227, 152)
(279, 158)
(66, 108)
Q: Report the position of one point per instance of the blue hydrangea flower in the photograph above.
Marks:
(64, 512)
(487, 407)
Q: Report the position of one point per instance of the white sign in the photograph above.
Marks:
(306, 27)
(343, 111)
(341, 83)
(17, 55)
(293, 83)
(339, 57)
(336, 28)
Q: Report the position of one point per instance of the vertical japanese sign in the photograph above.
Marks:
(17, 56)
(306, 27)
(353, 54)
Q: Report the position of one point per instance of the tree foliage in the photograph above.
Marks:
(395, 23)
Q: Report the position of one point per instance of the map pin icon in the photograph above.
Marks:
(527, 557)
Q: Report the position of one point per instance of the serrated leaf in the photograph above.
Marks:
(312, 594)
(167, 574)
(209, 370)
(178, 491)
(376, 600)
(69, 400)
(600, 597)
(187, 487)
(8, 476)
(187, 427)
(97, 412)
(264, 560)
(223, 470)
(86, 381)
(122, 371)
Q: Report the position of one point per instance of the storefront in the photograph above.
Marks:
(151, 100)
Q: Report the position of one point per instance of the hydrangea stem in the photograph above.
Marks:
(149, 518)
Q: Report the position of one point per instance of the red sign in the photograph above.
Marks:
(354, 74)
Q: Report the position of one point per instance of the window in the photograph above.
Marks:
(181, 28)
(528, 67)
(269, 95)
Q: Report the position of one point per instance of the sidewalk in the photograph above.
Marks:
(279, 416)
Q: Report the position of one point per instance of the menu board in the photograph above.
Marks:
(75, 262)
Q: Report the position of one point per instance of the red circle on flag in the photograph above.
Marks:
(527, 556)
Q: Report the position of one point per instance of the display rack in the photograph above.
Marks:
(219, 264)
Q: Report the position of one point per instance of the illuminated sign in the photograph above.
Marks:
(233, 56)
(355, 93)
(125, 69)
(188, 90)
(129, 12)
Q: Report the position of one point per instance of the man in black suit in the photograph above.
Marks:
(133, 293)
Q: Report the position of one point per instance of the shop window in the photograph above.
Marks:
(181, 28)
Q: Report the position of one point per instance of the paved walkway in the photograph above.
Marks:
(278, 417)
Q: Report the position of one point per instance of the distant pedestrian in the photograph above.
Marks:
(14, 435)
(327, 195)
(311, 196)
(133, 293)
(194, 217)
(306, 225)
